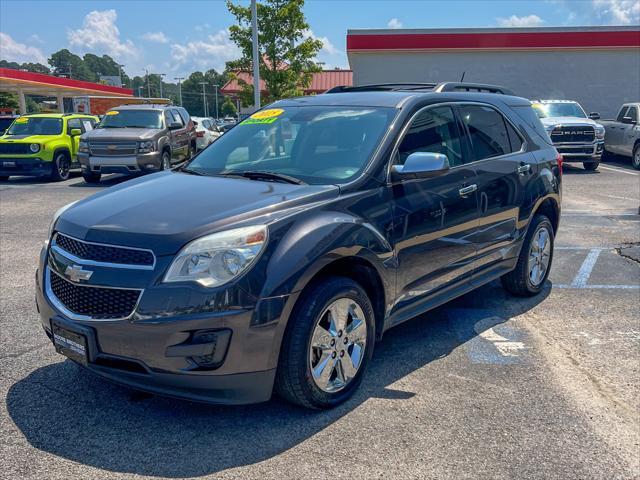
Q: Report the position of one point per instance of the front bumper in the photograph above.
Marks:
(32, 167)
(141, 351)
(580, 152)
(142, 162)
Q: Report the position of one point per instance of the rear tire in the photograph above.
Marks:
(635, 158)
(60, 166)
(303, 362)
(91, 177)
(591, 166)
(522, 281)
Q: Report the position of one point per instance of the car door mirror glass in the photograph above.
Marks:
(422, 165)
(594, 116)
(175, 126)
(75, 132)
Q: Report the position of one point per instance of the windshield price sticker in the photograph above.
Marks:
(112, 112)
(22, 120)
(259, 121)
(262, 117)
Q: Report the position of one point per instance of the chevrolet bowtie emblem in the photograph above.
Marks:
(112, 147)
(75, 273)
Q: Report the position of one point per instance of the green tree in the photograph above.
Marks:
(286, 57)
(228, 109)
(8, 100)
(63, 62)
(192, 91)
(29, 67)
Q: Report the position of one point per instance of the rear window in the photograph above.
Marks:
(531, 118)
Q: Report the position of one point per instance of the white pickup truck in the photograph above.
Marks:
(623, 134)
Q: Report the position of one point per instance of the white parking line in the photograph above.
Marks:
(598, 287)
(584, 273)
(619, 170)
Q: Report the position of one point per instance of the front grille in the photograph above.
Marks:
(576, 150)
(95, 302)
(104, 253)
(14, 148)
(567, 134)
(113, 149)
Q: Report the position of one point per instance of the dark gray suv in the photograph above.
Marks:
(278, 256)
(137, 138)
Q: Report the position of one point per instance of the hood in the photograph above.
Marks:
(27, 138)
(551, 121)
(112, 134)
(166, 210)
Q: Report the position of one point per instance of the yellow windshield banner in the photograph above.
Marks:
(22, 120)
(268, 113)
(112, 112)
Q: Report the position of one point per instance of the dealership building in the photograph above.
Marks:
(597, 66)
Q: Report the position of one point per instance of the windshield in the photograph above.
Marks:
(4, 124)
(35, 126)
(131, 119)
(318, 145)
(545, 110)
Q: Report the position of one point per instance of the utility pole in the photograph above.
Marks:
(204, 99)
(161, 75)
(256, 60)
(216, 87)
(120, 74)
(148, 85)
(179, 79)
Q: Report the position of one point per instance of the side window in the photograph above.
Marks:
(622, 114)
(177, 117)
(433, 130)
(487, 129)
(183, 115)
(74, 123)
(514, 138)
(168, 118)
(633, 113)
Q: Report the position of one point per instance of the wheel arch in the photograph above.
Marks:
(550, 207)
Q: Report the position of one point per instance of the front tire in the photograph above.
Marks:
(60, 167)
(91, 177)
(534, 262)
(165, 161)
(591, 166)
(4, 178)
(635, 158)
(327, 345)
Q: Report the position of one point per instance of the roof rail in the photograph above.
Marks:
(383, 87)
(471, 87)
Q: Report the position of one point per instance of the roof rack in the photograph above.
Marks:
(430, 87)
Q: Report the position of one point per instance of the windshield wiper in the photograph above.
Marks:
(192, 172)
(264, 175)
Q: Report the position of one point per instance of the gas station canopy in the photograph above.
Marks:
(29, 83)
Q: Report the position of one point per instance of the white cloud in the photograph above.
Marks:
(100, 33)
(620, 12)
(394, 23)
(19, 52)
(327, 47)
(516, 21)
(213, 52)
(158, 37)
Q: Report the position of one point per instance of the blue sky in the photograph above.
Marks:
(177, 37)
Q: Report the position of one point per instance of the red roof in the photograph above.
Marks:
(540, 38)
(320, 82)
(11, 79)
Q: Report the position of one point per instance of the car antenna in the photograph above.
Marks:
(462, 78)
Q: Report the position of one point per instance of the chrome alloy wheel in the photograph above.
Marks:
(539, 256)
(636, 158)
(338, 345)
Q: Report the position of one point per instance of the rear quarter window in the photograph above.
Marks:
(530, 117)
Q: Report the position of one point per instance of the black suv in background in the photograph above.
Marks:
(137, 138)
(278, 256)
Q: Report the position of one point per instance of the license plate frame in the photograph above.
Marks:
(71, 344)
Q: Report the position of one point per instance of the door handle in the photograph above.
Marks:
(524, 168)
(464, 191)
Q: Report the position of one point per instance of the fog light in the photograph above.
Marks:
(206, 348)
(150, 166)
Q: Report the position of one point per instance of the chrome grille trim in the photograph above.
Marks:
(119, 148)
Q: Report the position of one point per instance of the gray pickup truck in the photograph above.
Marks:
(623, 134)
(134, 139)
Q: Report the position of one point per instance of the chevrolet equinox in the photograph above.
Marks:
(277, 257)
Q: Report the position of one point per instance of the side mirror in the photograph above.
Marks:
(421, 165)
(75, 132)
(594, 116)
(628, 120)
(175, 126)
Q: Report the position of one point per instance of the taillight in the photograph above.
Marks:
(559, 160)
(200, 134)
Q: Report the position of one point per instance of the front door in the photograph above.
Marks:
(434, 218)
(73, 124)
(503, 169)
(627, 132)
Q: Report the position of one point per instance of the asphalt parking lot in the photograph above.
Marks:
(488, 386)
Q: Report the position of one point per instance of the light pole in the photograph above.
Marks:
(256, 60)
(139, 90)
(204, 99)
(146, 72)
(179, 79)
(161, 75)
(120, 74)
(216, 87)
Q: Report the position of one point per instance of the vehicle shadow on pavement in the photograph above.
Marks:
(108, 181)
(65, 410)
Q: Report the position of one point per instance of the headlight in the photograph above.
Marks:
(56, 215)
(600, 133)
(217, 259)
(34, 147)
(83, 147)
(146, 147)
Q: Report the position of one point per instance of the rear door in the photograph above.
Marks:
(503, 170)
(434, 218)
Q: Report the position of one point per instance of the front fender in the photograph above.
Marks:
(310, 244)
